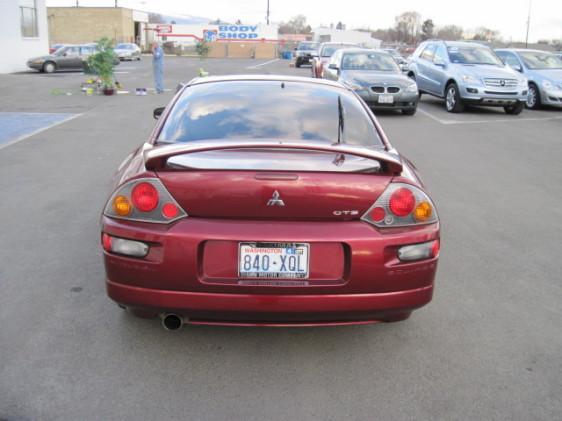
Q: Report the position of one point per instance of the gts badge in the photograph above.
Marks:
(346, 212)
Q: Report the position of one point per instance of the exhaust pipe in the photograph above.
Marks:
(171, 321)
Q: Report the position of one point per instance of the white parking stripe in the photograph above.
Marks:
(262, 64)
(514, 119)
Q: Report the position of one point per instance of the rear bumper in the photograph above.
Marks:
(254, 309)
(192, 270)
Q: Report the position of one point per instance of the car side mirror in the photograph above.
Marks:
(158, 112)
(517, 67)
(333, 66)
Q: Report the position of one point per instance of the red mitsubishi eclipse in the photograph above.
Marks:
(271, 201)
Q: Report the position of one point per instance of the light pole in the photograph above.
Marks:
(267, 14)
(528, 24)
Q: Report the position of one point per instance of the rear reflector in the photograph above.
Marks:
(419, 251)
(123, 246)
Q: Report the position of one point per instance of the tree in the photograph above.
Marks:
(156, 18)
(340, 26)
(450, 32)
(101, 62)
(427, 29)
(297, 25)
(408, 26)
(485, 34)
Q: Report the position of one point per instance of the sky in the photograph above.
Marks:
(507, 16)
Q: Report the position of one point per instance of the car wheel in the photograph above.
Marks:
(453, 102)
(297, 63)
(409, 111)
(49, 67)
(533, 97)
(514, 109)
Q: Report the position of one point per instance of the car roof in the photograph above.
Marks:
(267, 78)
(364, 50)
(522, 50)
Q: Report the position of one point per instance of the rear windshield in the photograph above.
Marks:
(328, 50)
(473, 55)
(268, 110)
(308, 46)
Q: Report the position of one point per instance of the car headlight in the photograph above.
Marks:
(412, 88)
(470, 79)
(547, 84)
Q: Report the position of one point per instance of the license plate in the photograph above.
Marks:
(273, 260)
(386, 99)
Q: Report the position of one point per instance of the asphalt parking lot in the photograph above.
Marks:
(489, 346)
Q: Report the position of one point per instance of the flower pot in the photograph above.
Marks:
(108, 91)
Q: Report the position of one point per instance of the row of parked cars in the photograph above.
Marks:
(73, 57)
(461, 73)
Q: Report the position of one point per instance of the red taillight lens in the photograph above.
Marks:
(169, 210)
(145, 197)
(378, 214)
(402, 202)
(106, 242)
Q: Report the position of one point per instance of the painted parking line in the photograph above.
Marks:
(262, 64)
(514, 119)
(15, 127)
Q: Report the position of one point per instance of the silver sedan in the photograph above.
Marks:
(127, 51)
(375, 77)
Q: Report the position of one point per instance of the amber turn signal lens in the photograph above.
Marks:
(122, 206)
(423, 211)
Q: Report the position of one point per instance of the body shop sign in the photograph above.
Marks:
(238, 31)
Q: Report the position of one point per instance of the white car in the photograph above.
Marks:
(127, 51)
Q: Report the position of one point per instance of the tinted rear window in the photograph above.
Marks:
(267, 110)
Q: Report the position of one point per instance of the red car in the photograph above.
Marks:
(269, 200)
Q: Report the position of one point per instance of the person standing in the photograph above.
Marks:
(158, 67)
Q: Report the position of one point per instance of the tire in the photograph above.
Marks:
(409, 111)
(49, 67)
(533, 97)
(515, 109)
(297, 63)
(453, 102)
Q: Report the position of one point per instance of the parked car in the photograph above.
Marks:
(375, 76)
(543, 70)
(400, 60)
(305, 51)
(325, 51)
(127, 51)
(230, 215)
(71, 57)
(55, 47)
(467, 73)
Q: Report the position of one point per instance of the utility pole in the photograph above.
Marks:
(528, 24)
(267, 15)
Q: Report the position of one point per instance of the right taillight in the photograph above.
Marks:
(399, 205)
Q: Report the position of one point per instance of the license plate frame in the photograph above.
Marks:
(281, 249)
(385, 99)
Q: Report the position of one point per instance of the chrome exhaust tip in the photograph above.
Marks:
(171, 321)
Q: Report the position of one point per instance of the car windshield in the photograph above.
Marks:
(473, 55)
(285, 110)
(308, 46)
(61, 51)
(328, 50)
(369, 61)
(538, 60)
(124, 46)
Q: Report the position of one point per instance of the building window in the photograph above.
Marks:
(28, 15)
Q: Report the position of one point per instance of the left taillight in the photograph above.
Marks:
(144, 200)
(401, 205)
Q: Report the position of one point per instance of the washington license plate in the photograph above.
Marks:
(386, 99)
(273, 260)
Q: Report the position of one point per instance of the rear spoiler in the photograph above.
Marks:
(155, 157)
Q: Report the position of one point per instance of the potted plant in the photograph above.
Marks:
(101, 63)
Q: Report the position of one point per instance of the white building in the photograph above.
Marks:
(23, 33)
(364, 39)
